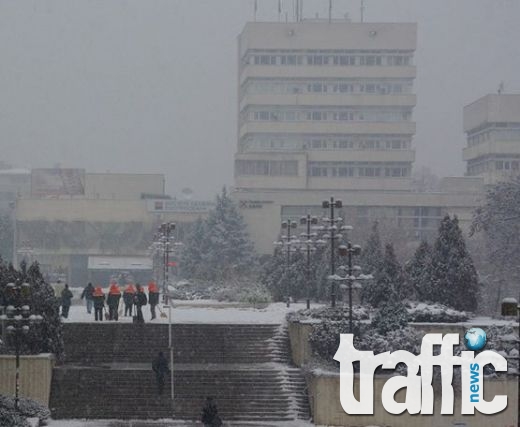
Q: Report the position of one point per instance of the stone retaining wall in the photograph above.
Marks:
(35, 376)
(326, 407)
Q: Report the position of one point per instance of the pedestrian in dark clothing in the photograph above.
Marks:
(66, 301)
(161, 369)
(140, 301)
(153, 297)
(89, 299)
(128, 299)
(210, 417)
(114, 295)
(99, 303)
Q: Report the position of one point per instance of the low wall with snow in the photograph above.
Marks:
(326, 407)
(301, 350)
(35, 376)
(299, 332)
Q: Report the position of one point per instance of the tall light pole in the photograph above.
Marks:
(350, 250)
(18, 319)
(288, 241)
(309, 245)
(165, 232)
(332, 228)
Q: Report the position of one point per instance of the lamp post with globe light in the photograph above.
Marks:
(332, 234)
(309, 243)
(288, 242)
(19, 319)
(163, 245)
(353, 272)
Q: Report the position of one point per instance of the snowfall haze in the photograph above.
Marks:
(150, 86)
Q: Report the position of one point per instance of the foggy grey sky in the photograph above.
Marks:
(150, 85)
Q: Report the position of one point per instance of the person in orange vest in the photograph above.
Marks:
(99, 303)
(128, 299)
(153, 297)
(114, 295)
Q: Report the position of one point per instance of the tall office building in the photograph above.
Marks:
(492, 125)
(326, 109)
(325, 106)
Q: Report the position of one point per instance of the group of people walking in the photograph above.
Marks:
(134, 297)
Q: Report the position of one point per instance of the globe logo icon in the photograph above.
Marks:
(475, 339)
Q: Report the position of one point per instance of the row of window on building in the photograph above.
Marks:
(490, 165)
(267, 143)
(353, 169)
(286, 115)
(496, 134)
(419, 217)
(327, 87)
(321, 169)
(345, 58)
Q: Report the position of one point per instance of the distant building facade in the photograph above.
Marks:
(327, 109)
(492, 126)
(325, 106)
(82, 226)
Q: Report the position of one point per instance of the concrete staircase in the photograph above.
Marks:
(107, 373)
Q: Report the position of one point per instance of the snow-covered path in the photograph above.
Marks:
(203, 311)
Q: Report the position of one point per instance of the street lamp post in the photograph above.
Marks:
(18, 320)
(308, 243)
(332, 228)
(288, 241)
(165, 235)
(349, 250)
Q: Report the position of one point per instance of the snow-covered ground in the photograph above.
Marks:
(202, 311)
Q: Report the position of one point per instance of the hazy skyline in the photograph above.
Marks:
(151, 86)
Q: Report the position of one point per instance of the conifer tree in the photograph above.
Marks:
(388, 280)
(194, 251)
(220, 247)
(47, 336)
(372, 253)
(453, 278)
(417, 272)
(6, 238)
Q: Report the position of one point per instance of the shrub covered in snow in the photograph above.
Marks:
(504, 341)
(325, 337)
(256, 296)
(434, 313)
(27, 408)
(391, 317)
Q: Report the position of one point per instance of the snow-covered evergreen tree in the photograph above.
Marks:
(417, 272)
(452, 276)
(388, 281)
(6, 238)
(219, 247)
(47, 336)
(372, 252)
(498, 221)
(194, 251)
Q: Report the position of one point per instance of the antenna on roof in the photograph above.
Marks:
(500, 87)
(330, 11)
(362, 10)
(255, 8)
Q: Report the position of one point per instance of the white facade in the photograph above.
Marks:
(492, 126)
(326, 109)
(325, 106)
